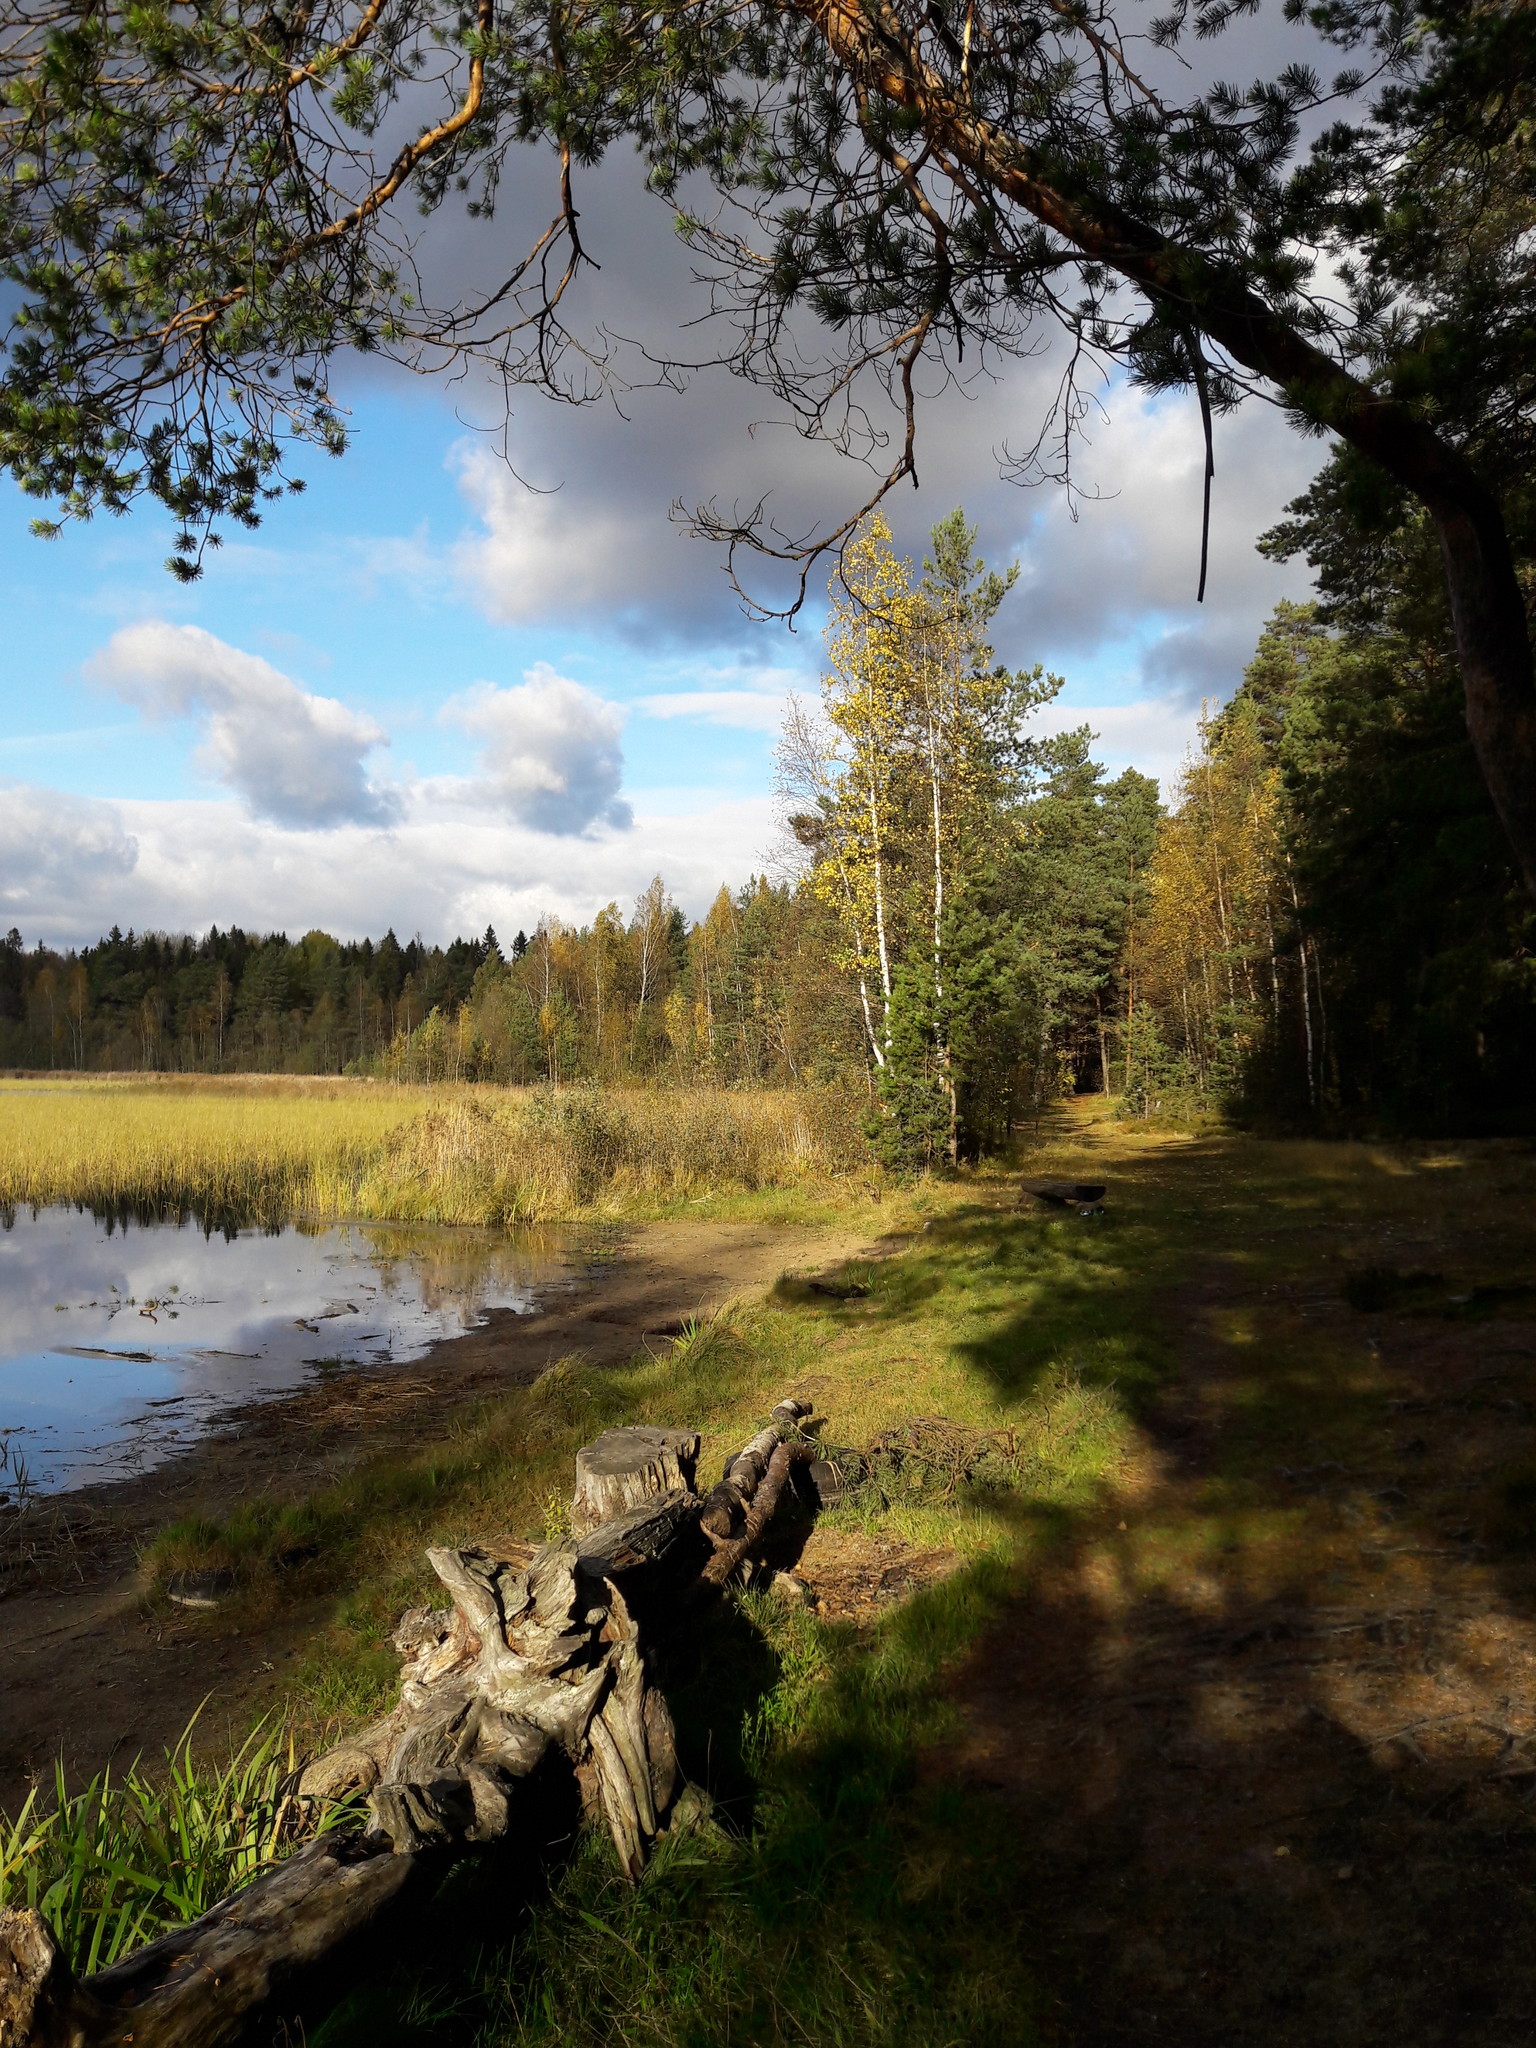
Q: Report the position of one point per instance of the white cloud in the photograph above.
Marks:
(1130, 561)
(72, 868)
(296, 759)
(536, 555)
(552, 756)
(461, 856)
(746, 710)
(1153, 734)
(62, 856)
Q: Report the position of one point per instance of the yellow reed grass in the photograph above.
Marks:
(483, 1155)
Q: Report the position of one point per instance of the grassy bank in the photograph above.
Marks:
(1219, 1401)
(268, 1149)
(835, 1896)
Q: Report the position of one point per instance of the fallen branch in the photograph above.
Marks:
(729, 1555)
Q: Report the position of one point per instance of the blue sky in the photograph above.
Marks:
(425, 695)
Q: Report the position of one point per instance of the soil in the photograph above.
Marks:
(93, 1673)
(1280, 1787)
(849, 1576)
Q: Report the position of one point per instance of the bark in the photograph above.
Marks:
(197, 1988)
(727, 1505)
(1487, 610)
(730, 1554)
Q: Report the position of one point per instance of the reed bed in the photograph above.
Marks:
(469, 1155)
(540, 1154)
(219, 1152)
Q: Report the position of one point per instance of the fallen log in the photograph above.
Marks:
(725, 1510)
(196, 1988)
(539, 1653)
(729, 1555)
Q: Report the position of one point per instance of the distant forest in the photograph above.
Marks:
(1323, 928)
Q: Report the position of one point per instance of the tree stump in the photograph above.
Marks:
(626, 1468)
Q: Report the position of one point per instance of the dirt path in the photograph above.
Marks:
(87, 1670)
(1268, 1724)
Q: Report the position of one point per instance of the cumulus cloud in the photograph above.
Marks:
(297, 759)
(1127, 565)
(61, 857)
(747, 710)
(552, 757)
(527, 558)
(72, 868)
(1153, 734)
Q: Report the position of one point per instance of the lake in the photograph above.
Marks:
(121, 1344)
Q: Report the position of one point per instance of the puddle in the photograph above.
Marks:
(119, 1346)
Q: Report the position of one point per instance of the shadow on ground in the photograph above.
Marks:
(1264, 1724)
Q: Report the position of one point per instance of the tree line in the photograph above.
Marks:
(1335, 933)
(947, 934)
(1324, 927)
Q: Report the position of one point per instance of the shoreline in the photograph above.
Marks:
(98, 1670)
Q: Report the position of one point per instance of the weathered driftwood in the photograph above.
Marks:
(538, 1653)
(627, 1467)
(196, 1988)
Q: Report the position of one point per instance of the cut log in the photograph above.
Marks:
(1064, 1193)
(627, 1467)
(826, 1482)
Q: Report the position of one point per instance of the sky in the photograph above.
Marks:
(438, 692)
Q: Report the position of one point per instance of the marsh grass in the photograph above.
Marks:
(235, 1151)
(120, 1860)
(221, 1153)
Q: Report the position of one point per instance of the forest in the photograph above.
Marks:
(1320, 928)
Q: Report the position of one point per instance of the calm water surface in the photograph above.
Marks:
(119, 1345)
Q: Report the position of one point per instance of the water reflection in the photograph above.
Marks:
(122, 1340)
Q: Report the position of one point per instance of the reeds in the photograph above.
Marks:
(470, 1155)
(122, 1860)
(219, 1152)
(536, 1154)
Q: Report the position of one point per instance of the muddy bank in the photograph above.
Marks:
(92, 1672)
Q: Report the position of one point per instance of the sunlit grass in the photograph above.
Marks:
(849, 1892)
(232, 1150)
(120, 1860)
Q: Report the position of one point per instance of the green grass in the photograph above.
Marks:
(845, 1888)
(848, 1891)
(833, 1895)
(114, 1863)
(992, 1319)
